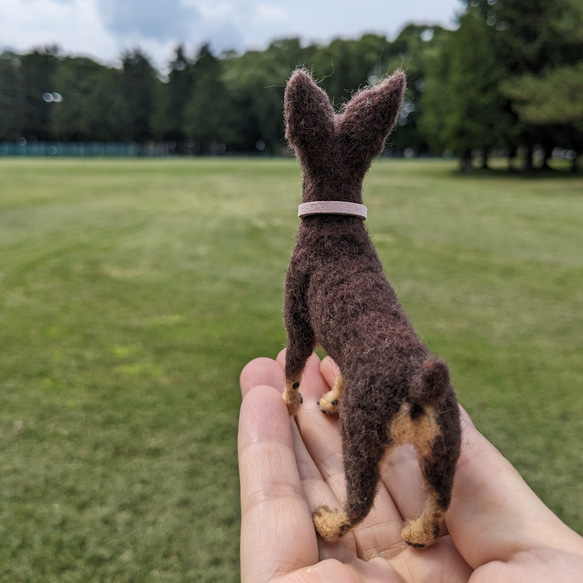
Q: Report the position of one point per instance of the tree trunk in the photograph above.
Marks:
(548, 154)
(511, 158)
(466, 162)
(529, 160)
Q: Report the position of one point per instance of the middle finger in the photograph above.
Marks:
(379, 533)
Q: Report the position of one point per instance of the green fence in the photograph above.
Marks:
(83, 149)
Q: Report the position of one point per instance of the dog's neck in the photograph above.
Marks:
(336, 181)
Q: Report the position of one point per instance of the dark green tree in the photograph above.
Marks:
(11, 97)
(554, 97)
(463, 110)
(138, 82)
(37, 71)
(175, 97)
(106, 110)
(414, 50)
(539, 46)
(208, 114)
(255, 81)
(92, 107)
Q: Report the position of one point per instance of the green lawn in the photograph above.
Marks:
(132, 293)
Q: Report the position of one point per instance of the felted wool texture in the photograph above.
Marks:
(337, 296)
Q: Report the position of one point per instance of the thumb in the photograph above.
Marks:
(493, 513)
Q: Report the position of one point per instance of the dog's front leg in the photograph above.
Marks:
(301, 340)
(331, 401)
(299, 349)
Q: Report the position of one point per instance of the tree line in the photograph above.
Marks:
(508, 79)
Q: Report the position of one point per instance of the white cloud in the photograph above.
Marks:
(152, 19)
(213, 10)
(266, 14)
(75, 25)
(103, 28)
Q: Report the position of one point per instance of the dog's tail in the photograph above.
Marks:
(430, 385)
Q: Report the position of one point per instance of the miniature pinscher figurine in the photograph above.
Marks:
(391, 390)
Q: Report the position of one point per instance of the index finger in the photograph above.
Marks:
(277, 535)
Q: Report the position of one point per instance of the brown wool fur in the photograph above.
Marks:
(392, 390)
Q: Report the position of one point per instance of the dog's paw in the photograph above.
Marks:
(419, 533)
(330, 524)
(329, 403)
(293, 398)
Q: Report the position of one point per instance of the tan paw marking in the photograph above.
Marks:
(330, 524)
(329, 404)
(424, 530)
(331, 401)
(292, 397)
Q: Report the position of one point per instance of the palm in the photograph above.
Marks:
(288, 467)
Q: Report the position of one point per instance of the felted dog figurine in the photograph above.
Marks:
(391, 389)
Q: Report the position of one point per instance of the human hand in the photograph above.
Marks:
(496, 530)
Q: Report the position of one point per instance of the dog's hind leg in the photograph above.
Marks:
(362, 478)
(331, 401)
(362, 471)
(437, 460)
(424, 530)
(361, 489)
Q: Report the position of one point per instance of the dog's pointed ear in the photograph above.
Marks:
(369, 117)
(309, 118)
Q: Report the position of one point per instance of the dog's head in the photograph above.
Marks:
(335, 150)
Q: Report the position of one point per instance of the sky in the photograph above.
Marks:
(102, 29)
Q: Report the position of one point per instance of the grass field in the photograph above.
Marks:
(133, 292)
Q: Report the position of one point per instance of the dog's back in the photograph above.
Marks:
(353, 310)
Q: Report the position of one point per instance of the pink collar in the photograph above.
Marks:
(332, 207)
